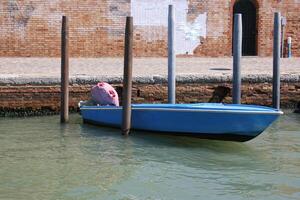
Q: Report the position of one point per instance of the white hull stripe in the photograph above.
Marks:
(191, 110)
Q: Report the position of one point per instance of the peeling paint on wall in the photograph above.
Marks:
(117, 10)
(20, 14)
(51, 15)
(149, 13)
(204, 27)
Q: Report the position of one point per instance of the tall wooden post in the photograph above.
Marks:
(127, 80)
(64, 108)
(171, 56)
(276, 60)
(237, 54)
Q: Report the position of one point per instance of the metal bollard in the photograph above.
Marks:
(237, 54)
(283, 24)
(276, 61)
(171, 56)
(289, 46)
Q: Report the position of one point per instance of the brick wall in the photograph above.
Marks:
(32, 27)
(33, 100)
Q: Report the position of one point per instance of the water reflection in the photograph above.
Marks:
(41, 159)
(181, 150)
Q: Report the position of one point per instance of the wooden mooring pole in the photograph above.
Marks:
(276, 61)
(64, 108)
(127, 80)
(237, 54)
(171, 56)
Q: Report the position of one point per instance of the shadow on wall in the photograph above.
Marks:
(298, 108)
(219, 94)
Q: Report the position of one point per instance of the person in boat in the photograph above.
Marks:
(102, 94)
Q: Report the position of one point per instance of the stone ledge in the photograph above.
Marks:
(156, 79)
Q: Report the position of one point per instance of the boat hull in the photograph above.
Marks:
(212, 121)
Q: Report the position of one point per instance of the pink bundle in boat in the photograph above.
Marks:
(104, 94)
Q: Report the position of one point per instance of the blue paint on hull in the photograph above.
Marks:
(209, 120)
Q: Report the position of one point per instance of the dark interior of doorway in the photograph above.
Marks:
(248, 10)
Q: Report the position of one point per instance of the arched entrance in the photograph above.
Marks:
(248, 10)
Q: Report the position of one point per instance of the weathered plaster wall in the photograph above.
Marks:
(188, 33)
(204, 28)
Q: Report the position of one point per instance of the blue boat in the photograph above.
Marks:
(204, 120)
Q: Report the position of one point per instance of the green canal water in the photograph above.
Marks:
(43, 160)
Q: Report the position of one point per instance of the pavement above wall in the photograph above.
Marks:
(45, 71)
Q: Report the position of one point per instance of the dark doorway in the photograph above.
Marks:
(248, 11)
